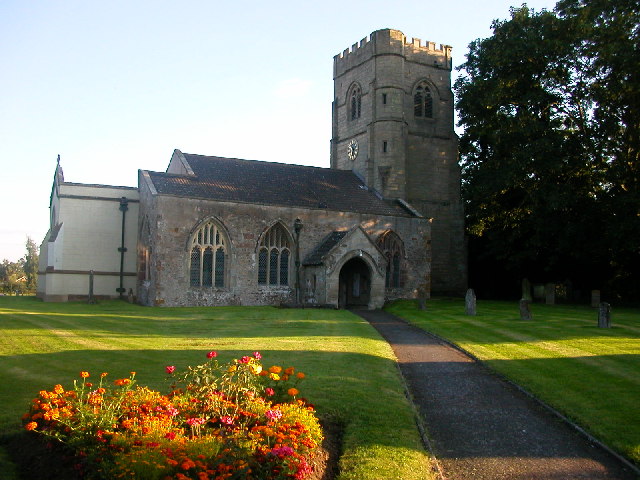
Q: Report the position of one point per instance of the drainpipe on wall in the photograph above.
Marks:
(124, 206)
(297, 226)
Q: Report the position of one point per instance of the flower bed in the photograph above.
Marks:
(230, 421)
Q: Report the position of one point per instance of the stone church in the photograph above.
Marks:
(384, 222)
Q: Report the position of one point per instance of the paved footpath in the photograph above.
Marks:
(481, 427)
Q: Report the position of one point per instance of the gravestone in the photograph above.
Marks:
(525, 309)
(470, 302)
(604, 315)
(595, 298)
(550, 294)
(526, 290)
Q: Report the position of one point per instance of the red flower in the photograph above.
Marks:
(269, 391)
(212, 354)
(170, 369)
(244, 359)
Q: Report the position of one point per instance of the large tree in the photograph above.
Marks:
(31, 265)
(544, 173)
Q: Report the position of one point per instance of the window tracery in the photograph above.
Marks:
(393, 249)
(208, 256)
(423, 101)
(274, 254)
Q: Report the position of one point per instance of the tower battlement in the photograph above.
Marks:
(390, 42)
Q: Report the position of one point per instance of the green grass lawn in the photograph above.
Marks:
(351, 372)
(591, 375)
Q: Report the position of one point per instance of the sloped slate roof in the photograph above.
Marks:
(250, 181)
(331, 240)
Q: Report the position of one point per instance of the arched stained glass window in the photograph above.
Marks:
(208, 252)
(274, 256)
(393, 249)
(423, 101)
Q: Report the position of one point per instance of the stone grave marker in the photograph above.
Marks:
(525, 309)
(604, 315)
(470, 302)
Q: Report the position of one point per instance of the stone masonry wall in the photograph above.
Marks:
(172, 221)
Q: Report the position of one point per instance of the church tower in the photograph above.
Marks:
(393, 126)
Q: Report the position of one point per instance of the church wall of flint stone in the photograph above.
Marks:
(384, 222)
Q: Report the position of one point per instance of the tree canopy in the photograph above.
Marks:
(550, 150)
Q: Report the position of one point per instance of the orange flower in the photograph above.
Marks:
(293, 392)
(31, 426)
(103, 374)
(289, 371)
(275, 369)
(84, 374)
(300, 375)
(58, 389)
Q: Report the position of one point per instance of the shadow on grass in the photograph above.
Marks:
(116, 317)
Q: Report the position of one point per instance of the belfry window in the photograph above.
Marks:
(423, 101)
(208, 253)
(274, 253)
(355, 102)
(393, 249)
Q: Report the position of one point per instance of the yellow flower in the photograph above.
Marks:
(232, 369)
(274, 376)
(255, 369)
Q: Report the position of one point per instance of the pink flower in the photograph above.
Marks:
(282, 452)
(212, 354)
(170, 369)
(257, 355)
(269, 391)
(226, 420)
(195, 421)
(244, 359)
(273, 414)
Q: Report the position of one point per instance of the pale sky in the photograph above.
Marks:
(116, 86)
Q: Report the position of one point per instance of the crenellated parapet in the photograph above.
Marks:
(392, 42)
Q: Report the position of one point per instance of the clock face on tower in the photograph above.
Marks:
(352, 149)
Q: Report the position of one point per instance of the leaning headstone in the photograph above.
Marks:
(550, 294)
(525, 309)
(526, 290)
(595, 298)
(604, 315)
(470, 302)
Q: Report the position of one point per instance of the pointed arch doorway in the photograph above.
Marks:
(355, 284)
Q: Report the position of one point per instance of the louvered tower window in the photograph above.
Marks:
(423, 101)
(356, 102)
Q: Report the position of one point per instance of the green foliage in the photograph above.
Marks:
(549, 104)
(21, 277)
(590, 374)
